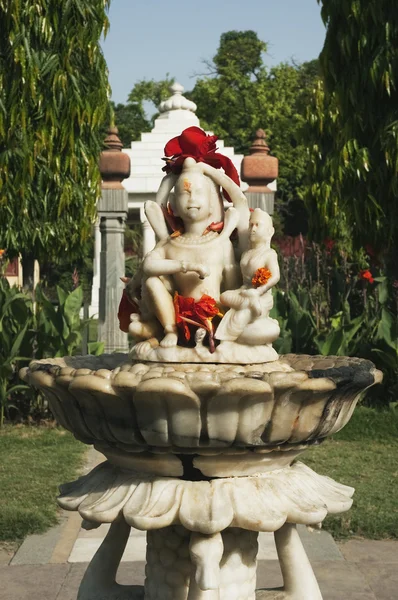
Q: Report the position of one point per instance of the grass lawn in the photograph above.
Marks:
(364, 455)
(33, 462)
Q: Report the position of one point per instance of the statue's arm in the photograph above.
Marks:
(273, 265)
(238, 198)
(156, 264)
(156, 219)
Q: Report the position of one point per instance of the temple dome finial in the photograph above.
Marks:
(177, 101)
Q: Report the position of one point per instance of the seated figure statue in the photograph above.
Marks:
(198, 262)
(248, 322)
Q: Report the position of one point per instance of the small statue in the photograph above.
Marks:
(248, 321)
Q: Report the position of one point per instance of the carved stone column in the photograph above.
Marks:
(259, 170)
(94, 306)
(112, 214)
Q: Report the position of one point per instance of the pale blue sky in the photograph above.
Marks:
(149, 38)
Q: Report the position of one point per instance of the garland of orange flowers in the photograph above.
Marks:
(261, 277)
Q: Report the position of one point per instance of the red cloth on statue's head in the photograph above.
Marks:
(195, 143)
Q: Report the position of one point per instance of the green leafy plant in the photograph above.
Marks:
(16, 318)
(59, 328)
(53, 100)
(327, 304)
(50, 330)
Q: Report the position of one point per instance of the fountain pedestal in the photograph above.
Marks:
(203, 457)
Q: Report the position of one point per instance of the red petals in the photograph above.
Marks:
(195, 143)
(261, 277)
(199, 314)
(329, 244)
(173, 147)
(126, 308)
(215, 226)
(366, 275)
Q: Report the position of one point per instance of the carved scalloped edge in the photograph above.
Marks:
(182, 406)
(295, 494)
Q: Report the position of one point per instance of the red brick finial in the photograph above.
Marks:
(259, 144)
(259, 169)
(114, 164)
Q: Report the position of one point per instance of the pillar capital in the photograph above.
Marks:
(114, 164)
(259, 169)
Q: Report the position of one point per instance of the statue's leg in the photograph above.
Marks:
(143, 330)
(163, 305)
(99, 581)
(298, 576)
(261, 331)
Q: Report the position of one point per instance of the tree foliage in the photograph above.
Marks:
(354, 122)
(53, 99)
(131, 120)
(237, 96)
(240, 94)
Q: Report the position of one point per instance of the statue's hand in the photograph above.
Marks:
(202, 270)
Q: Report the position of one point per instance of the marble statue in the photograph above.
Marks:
(198, 265)
(181, 264)
(248, 321)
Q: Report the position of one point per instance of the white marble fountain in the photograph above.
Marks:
(202, 425)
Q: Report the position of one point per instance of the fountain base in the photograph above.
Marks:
(202, 535)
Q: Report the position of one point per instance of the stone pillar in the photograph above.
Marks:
(112, 214)
(94, 306)
(259, 170)
(148, 234)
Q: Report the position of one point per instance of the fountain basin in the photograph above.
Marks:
(176, 409)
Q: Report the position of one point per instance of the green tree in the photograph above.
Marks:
(149, 90)
(239, 95)
(53, 99)
(354, 127)
(131, 121)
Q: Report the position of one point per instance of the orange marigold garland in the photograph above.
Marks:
(199, 314)
(261, 277)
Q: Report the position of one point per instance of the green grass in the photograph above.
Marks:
(34, 461)
(364, 455)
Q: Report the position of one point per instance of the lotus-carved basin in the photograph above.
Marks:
(202, 409)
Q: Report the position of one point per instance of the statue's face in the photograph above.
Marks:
(260, 227)
(193, 197)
